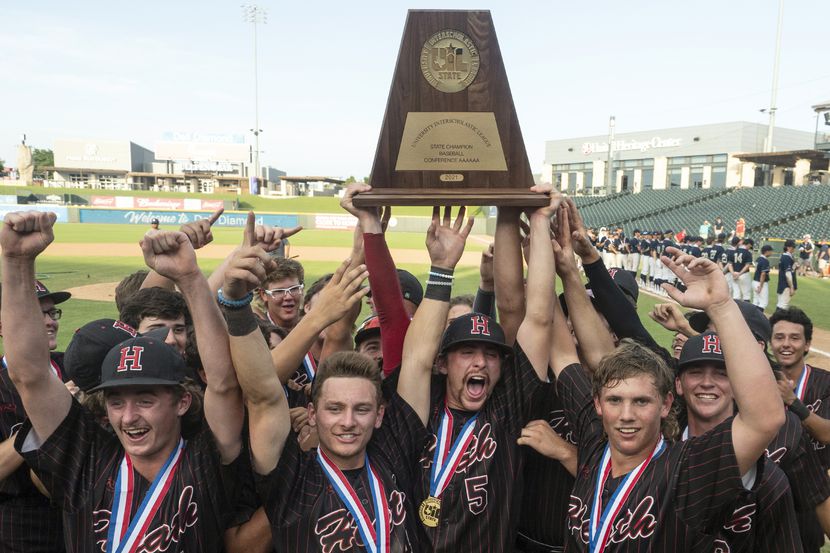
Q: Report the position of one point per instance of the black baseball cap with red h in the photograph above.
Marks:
(474, 327)
(142, 361)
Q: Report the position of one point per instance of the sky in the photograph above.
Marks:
(135, 70)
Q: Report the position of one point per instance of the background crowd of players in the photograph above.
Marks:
(251, 411)
(748, 277)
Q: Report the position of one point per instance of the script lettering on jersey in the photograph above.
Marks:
(559, 423)
(482, 446)
(337, 531)
(300, 378)
(814, 407)
(578, 523)
(161, 537)
(741, 521)
(777, 454)
(634, 524)
(720, 546)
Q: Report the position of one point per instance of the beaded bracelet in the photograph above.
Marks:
(234, 304)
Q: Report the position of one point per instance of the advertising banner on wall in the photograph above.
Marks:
(331, 221)
(176, 218)
(60, 211)
(129, 202)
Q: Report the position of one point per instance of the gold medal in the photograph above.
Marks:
(429, 511)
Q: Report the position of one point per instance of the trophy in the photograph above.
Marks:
(450, 134)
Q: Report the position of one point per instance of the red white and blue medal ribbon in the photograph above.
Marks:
(602, 520)
(447, 454)
(310, 367)
(125, 535)
(376, 538)
(801, 387)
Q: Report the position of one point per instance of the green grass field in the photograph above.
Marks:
(78, 233)
(246, 201)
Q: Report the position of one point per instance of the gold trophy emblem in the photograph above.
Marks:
(449, 61)
(429, 511)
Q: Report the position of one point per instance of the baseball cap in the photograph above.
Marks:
(474, 327)
(154, 221)
(703, 348)
(754, 317)
(43, 292)
(624, 282)
(142, 361)
(89, 346)
(411, 288)
(368, 329)
(766, 248)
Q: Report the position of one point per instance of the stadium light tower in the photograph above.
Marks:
(773, 100)
(609, 170)
(255, 14)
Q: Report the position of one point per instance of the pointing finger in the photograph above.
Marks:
(216, 214)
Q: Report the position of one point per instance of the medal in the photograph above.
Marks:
(602, 520)
(310, 367)
(376, 537)
(445, 460)
(429, 511)
(122, 538)
(801, 387)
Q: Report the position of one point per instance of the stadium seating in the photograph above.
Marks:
(817, 225)
(781, 212)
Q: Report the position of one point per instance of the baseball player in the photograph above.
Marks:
(155, 482)
(478, 403)
(282, 293)
(634, 491)
(804, 388)
(645, 255)
(739, 269)
(763, 516)
(634, 253)
(27, 520)
(760, 280)
(354, 491)
(805, 255)
(787, 279)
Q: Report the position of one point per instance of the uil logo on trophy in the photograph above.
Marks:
(449, 61)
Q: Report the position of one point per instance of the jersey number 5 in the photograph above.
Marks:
(476, 493)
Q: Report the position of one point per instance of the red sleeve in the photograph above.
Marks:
(388, 300)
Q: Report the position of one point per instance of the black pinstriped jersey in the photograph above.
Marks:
(548, 484)
(678, 502)
(29, 523)
(481, 505)
(79, 465)
(307, 515)
(762, 519)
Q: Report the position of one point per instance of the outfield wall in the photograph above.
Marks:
(318, 221)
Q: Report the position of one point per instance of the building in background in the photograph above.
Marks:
(181, 162)
(722, 155)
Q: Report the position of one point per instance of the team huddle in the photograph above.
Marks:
(241, 411)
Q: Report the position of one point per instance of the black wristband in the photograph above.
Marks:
(440, 291)
(241, 321)
(799, 409)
